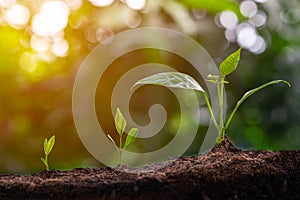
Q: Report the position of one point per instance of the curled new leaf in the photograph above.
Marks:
(230, 63)
(171, 79)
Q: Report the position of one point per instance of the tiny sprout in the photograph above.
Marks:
(48, 146)
(184, 81)
(120, 124)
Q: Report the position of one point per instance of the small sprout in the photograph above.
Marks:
(184, 81)
(120, 124)
(48, 146)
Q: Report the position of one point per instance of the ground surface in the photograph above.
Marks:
(223, 173)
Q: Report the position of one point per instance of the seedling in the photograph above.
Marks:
(120, 124)
(184, 81)
(48, 146)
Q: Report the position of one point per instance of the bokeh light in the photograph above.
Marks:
(259, 19)
(259, 45)
(248, 8)
(29, 61)
(7, 3)
(246, 35)
(290, 16)
(39, 44)
(52, 18)
(132, 18)
(101, 3)
(60, 47)
(17, 16)
(103, 34)
(74, 4)
(136, 4)
(228, 19)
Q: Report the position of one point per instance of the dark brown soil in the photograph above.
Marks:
(223, 173)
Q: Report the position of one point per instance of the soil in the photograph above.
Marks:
(223, 173)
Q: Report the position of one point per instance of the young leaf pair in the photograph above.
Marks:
(120, 124)
(48, 146)
(184, 81)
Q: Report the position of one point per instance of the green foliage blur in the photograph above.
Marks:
(39, 61)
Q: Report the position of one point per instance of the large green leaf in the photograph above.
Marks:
(120, 122)
(230, 63)
(171, 79)
(130, 137)
(249, 93)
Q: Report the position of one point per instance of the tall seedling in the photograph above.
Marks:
(184, 81)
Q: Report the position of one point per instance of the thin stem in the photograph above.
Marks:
(231, 116)
(46, 159)
(120, 152)
(120, 157)
(210, 110)
(221, 98)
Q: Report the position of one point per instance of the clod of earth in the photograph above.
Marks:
(223, 173)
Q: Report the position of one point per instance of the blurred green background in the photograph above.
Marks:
(43, 43)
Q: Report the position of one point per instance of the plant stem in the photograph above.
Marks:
(221, 128)
(231, 115)
(46, 159)
(221, 99)
(120, 157)
(121, 151)
(210, 110)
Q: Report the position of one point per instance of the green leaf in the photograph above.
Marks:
(213, 77)
(171, 79)
(49, 144)
(44, 161)
(45, 146)
(249, 93)
(230, 63)
(131, 136)
(120, 122)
